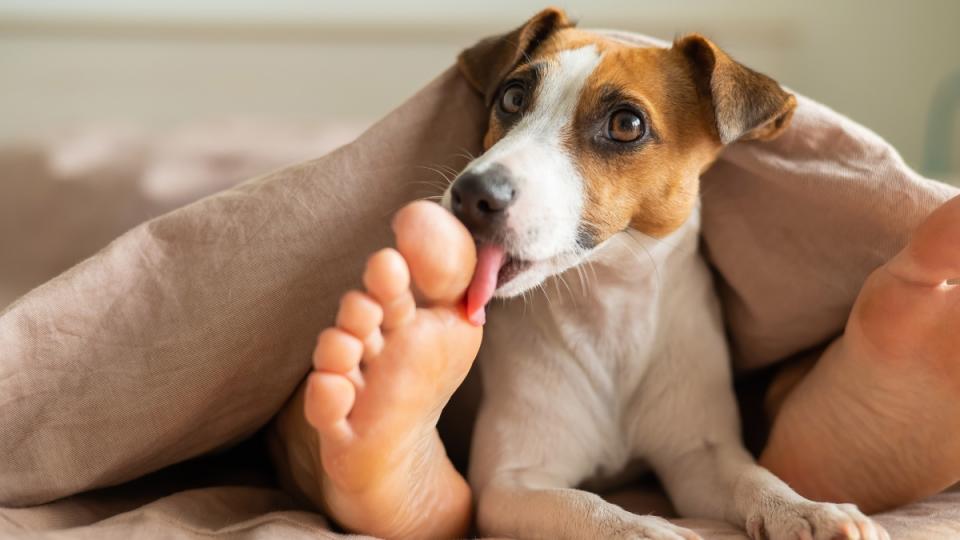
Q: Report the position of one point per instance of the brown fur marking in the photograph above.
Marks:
(695, 99)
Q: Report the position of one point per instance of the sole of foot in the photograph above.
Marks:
(873, 421)
(383, 374)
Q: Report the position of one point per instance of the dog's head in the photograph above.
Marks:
(589, 136)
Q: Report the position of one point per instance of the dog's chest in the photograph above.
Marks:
(596, 329)
(611, 330)
(584, 347)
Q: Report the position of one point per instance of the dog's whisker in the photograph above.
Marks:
(453, 172)
(573, 297)
(448, 171)
(558, 279)
(653, 262)
(447, 177)
(579, 270)
(437, 197)
(465, 150)
(582, 274)
(546, 295)
(592, 277)
(556, 284)
(465, 153)
(585, 283)
(431, 183)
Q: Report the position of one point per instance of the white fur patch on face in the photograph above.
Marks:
(542, 224)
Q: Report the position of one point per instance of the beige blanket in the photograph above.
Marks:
(186, 334)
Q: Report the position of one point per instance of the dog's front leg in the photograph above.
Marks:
(534, 504)
(530, 449)
(708, 473)
(723, 481)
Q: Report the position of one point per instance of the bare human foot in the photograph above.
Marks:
(875, 421)
(371, 455)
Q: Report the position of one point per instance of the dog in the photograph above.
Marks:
(585, 202)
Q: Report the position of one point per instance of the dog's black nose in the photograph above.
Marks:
(480, 200)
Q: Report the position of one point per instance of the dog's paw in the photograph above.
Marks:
(814, 521)
(649, 528)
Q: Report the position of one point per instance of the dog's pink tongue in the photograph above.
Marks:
(490, 259)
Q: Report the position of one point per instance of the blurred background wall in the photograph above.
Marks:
(154, 64)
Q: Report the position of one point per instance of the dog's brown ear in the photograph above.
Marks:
(746, 104)
(486, 64)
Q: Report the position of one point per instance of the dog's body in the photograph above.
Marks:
(622, 360)
(588, 190)
(601, 403)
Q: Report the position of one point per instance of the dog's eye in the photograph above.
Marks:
(513, 98)
(626, 126)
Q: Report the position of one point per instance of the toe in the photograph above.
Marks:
(387, 279)
(831, 522)
(867, 529)
(755, 528)
(337, 351)
(685, 534)
(439, 250)
(361, 316)
(328, 400)
(931, 257)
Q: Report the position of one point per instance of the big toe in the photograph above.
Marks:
(438, 249)
(933, 255)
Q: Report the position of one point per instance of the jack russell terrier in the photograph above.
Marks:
(590, 175)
